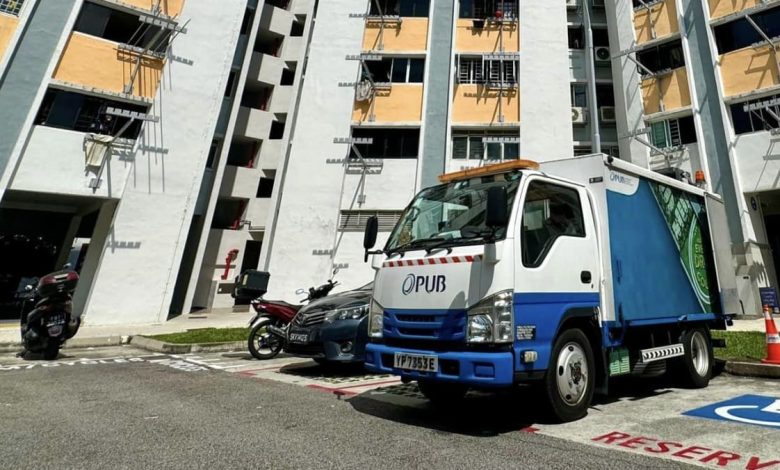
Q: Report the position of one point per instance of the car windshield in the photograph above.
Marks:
(451, 214)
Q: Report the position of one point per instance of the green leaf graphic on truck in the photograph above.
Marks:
(683, 213)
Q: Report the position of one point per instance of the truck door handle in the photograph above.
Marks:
(585, 277)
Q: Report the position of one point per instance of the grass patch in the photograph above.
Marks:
(205, 335)
(746, 345)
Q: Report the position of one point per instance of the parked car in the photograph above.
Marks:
(333, 328)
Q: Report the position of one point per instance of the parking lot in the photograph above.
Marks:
(228, 409)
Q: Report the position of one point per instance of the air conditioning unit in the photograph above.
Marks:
(602, 54)
(572, 3)
(607, 113)
(579, 115)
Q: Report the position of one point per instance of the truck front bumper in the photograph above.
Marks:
(476, 369)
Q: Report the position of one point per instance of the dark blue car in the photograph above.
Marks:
(332, 329)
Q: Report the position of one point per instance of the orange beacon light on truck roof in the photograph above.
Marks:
(489, 170)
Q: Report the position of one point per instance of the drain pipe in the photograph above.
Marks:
(590, 68)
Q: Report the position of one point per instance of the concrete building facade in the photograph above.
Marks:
(262, 134)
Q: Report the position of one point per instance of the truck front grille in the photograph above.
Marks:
(439, 325)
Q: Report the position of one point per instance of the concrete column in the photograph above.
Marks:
(97, 245)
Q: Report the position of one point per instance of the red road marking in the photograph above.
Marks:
(369, 384)
(330, 390)
(530, 429)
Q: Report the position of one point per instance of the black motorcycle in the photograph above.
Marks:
(47, 313)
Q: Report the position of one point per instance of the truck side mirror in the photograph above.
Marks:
(369, 237)
(496, 214)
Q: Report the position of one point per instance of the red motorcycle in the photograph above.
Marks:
(266, 338)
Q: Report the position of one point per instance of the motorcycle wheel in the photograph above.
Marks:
(262, 344)
(51, 351)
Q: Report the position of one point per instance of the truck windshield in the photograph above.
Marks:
(451, 214)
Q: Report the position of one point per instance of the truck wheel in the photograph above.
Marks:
(52, 350)
(694, 369)
(441, 393)
(571, 377)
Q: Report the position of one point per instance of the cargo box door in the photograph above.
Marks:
(721, 247)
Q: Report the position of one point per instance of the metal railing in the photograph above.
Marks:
(12, 7)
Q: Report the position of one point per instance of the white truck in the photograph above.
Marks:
(561, 275)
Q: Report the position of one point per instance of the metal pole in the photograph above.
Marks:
(590, 66)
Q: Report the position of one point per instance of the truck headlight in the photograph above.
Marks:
(353, 312)
(375, 319)
(490, 321)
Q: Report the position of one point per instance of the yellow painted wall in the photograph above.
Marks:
(662, 18)
(410, 35)
(169, 7)
(672, 87)
(477, 104)
(96, 62)
(720, 8)
(470, 39)
(8, 26)
(401, 103)
(748, 69)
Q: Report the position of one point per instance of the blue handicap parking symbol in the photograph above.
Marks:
(748, 409)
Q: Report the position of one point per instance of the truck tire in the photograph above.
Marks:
(571, 377)
(442, 393)
(694, 369)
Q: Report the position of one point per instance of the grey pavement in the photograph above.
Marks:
(131, 409)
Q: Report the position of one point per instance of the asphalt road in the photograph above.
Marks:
(161, 412)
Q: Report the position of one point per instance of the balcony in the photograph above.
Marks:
(253, 123)
(490, 38)
(409, 35)
(239, 182)
(265, 68)
(276, 20)
(479, 105)
(659, 21)
(292, 49)
(280, 99)
(748, 70)
(257, 212)
(666, 92)
(720, 8)
(97, 63)
(399, 103)
(270, 154)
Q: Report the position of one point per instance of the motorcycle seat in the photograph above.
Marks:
(283, 303)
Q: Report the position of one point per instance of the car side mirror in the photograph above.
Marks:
(369, 237)
(496, 214)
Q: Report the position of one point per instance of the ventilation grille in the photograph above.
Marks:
(355, 221)
(12, 7)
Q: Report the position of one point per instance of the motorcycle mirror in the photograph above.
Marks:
(300, 291)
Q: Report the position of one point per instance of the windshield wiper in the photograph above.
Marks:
(450, 242)
(413, 243)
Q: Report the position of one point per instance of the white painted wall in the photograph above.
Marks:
(310, 196)
(59, 152)
(545, 103)
(162, 188)
(758, 155)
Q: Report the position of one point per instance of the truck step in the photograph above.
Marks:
(662, 352)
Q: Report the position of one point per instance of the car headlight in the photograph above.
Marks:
(490, 321)
(375, 319)
(353, 312)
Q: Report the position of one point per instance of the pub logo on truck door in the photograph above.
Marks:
(430, 284)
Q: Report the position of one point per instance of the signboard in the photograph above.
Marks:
(756, 410)
(768, 296)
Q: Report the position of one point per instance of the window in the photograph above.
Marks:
(475, 70)
(673, 133)
(550, 212)
(83, 113)
(216, 144)
(487, 8)
(388, 143)
(355, 220)
(288, 77)
(579, 95)
(265, 188)
(231, 84)
(12, 7)
(246, 23)
(297, 27)
(605, 94)
(660, 58)
(277, 130)
(396, 70)
(576, 38)
(121, 27)
(739, 34)
(600, 37)
(756, 115)
(417, 8)
(469, 145)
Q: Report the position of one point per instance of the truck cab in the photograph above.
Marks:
(497, 277)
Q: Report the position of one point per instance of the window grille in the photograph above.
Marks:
(12, 7)
(355, 220)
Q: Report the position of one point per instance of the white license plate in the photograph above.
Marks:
(299, 338)
(418, 362)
